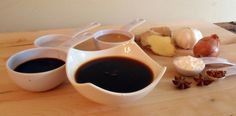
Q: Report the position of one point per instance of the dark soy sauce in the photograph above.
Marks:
(117, 74)
(39, 65)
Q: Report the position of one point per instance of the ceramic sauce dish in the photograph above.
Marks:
(78, 58)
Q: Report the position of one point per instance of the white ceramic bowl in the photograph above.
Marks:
(131, 50)
(37, 81)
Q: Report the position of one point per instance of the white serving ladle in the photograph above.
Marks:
(75, 41)
(54, 40)
(133, 24)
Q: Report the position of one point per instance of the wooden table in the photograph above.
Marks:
(218, 98)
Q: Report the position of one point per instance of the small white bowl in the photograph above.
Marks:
(37, 81)
(76, 58)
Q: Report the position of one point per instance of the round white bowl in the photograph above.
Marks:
(76, 58)
(37, 81)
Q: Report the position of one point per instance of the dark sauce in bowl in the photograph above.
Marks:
(39, 65)
(116, 74)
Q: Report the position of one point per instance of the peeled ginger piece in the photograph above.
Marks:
(161, 45)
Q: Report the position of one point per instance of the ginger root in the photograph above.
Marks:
(158, 44)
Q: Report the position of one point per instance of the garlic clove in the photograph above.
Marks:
(187, 37)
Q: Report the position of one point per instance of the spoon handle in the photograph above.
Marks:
(130, 26)
(86, 28)
(216, 61)
(76, 40)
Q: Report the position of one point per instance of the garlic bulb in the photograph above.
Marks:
(187, 37)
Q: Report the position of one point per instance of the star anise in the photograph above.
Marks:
(202, 80)
(181, 82)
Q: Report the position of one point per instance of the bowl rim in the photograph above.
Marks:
(30, 50)
(110, 31)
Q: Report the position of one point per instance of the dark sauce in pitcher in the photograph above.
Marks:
(117, 74)
(39, 65)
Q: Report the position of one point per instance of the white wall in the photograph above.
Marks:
(27, 15)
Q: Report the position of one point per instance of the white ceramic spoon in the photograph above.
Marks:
(75, 41)
(54, 40)
(132, 25)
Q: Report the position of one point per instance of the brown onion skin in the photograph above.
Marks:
(207, 47)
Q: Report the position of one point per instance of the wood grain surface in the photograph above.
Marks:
(217, 99)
